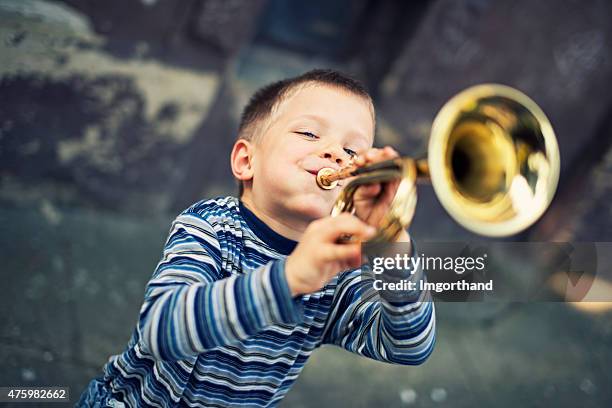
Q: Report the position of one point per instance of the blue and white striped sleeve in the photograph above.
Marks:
(365, 323)
(191, 305)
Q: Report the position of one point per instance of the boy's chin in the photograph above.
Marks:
(313, 207)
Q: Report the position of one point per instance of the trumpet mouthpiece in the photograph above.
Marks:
(322, 178)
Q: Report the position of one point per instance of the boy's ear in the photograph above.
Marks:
(242, 153)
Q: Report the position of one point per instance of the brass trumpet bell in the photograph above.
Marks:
(493, 161)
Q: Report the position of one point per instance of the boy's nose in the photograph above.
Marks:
(337, 156)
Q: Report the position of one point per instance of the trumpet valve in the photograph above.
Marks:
(322, 178)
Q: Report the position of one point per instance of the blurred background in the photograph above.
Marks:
(116, 115)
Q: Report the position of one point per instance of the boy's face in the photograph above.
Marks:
(319, 126)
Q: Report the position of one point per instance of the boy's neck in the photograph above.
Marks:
(279, 225)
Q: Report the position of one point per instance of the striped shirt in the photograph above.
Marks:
(220, 328)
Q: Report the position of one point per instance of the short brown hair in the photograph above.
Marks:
(266, 100)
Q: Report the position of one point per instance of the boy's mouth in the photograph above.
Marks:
(316, 171)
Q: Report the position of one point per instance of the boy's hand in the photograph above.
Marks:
(319, 257)
(372, 201)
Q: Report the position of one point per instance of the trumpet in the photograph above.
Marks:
(493, 161)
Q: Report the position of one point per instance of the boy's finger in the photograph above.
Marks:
(344, 252)
(345, 224)
(390, 152)
(374, 155)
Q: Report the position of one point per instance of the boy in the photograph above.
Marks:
(248, 288)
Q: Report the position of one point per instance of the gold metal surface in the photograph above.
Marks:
(493, 161)
(326, 179)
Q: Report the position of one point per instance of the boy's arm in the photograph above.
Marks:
(363, 322)
(191, 305)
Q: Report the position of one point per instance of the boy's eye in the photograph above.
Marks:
(351, 153)
(308, 134)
